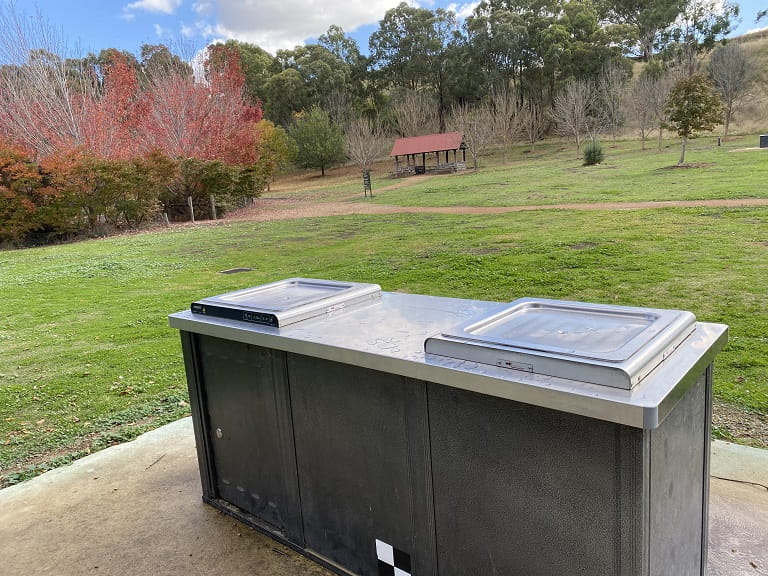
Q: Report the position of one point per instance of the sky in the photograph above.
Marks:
(188, 25)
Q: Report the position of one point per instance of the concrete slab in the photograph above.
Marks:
(135, 509)
(738, 511)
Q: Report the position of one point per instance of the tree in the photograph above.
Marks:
(533, 122)
(43, 94)
(692, 107)
(20, 194)
(320, 142)
(200, 179)
(702, 23)
(506, 118)
(415, 113)
(211, 120)
(365, 141)
(571, 110)
(729, 72)
(645, 21)
(276, 150)
(476, 122)
(286, 95)
(610, 96)
(642, 95)
(410, 50)
(257, 65)
(157, 60)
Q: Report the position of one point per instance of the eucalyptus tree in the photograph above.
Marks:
(258, 66)
(501, 36)
(700, 25)
(642, 21)
(411, 50)
(533, 47)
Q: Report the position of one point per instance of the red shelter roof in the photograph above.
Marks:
(429, 143)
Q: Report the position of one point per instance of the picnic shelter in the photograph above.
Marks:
(433, 153)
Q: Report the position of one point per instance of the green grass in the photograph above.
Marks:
(554, 175)
(88, 358)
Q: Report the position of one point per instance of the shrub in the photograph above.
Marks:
(593, 153)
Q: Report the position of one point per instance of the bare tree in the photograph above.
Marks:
(610, 96)
(506, 118)
(533, 122)
(729, 71)
(647, 96)
(662, 87)
(338, 104)
(640, 100)
(476, 122)
(43, 95)
(571, 110)
(415, 113)
(365, 141)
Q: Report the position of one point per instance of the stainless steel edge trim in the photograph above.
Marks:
(388, 336)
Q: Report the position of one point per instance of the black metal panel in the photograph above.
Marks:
(680, 485)
(241, 387)
(523, 490)
(362, 453)
(199, 423)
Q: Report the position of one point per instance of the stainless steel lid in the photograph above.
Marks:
(602, 344)
(287, 301)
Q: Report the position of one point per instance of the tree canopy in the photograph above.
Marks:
(692, 107)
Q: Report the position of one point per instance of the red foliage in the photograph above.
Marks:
(105, 148)
(111, 126)
(210, 120)
(20, 193)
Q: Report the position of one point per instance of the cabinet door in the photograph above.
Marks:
(242, 388)
(363, 466)
(526, 490)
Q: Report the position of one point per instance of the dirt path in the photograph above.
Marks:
(285, 208)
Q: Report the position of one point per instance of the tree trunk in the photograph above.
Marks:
(682, 151)
(661, 138)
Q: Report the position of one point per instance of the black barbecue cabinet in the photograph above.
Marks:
(398, 434)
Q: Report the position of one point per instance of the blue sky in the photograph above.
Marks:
(186, 25)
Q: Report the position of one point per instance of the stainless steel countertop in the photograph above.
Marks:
(388, 335)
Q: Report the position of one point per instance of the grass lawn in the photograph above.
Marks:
(88, 358)
(553, 175)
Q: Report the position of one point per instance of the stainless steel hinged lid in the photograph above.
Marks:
(614, 346)
(287, 301)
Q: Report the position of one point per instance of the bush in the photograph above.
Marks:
(593, 153)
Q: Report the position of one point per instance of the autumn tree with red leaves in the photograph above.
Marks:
(209, 119)
(112, 137)
(112, 130)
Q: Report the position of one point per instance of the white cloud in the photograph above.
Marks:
(156, 6)
(464, 10)
(284, 24)
(203, 7)
(187, 31)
